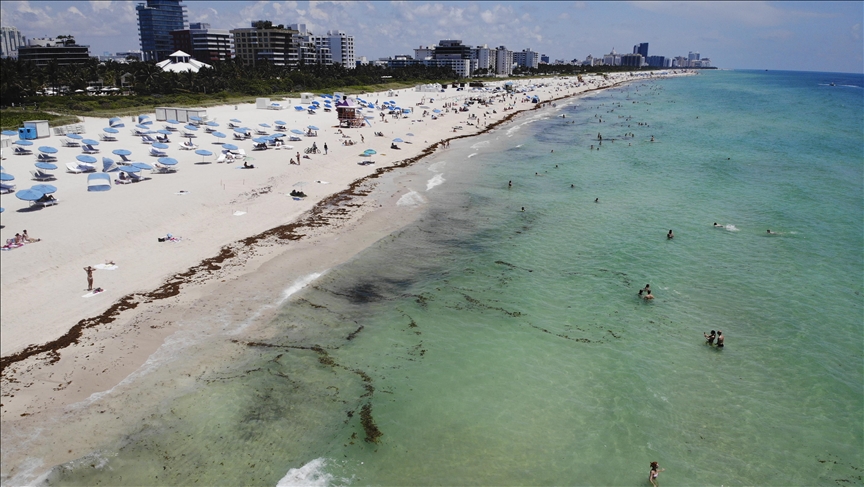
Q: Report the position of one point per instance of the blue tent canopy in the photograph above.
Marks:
(9, 132)
(235, 120)
(267, 125)
(196, 118)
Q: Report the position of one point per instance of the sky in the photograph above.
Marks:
(799, 36)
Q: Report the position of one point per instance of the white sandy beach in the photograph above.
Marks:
(213, 208)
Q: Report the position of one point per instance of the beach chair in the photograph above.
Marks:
(160, 169)
(188, 145)
(261, 132)
(281, 128)
(6, 188)
(158, 152)
(69, 143)
(72, 167)
(21, 151)
(188, 135)
(170, 127)
(262, 146)
(46, 201)
(146, 139)
(42, 157)
(221, 158)
(42, 176)
(107, 138)
(125, 158)
(98, 182)
(89, 149)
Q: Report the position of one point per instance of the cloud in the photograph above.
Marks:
(98, 5)
(74, 10)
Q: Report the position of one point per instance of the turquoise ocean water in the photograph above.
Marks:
(494, 346)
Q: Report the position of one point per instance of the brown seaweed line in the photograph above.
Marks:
(283, 232)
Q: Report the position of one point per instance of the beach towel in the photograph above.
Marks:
(94, 292)
(105, 267)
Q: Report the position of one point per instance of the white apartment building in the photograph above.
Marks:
(10, 40)
(527, 58)
(503, 61)
(484, 57)
(424, 52)
(341, 47)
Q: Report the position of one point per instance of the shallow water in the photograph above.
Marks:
(495, 346)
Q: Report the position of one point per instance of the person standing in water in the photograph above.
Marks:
(719, 338)
(669, 235)
(655, 471)
(709, 339)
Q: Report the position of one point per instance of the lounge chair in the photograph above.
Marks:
(147, 139)
(160, 169)
(46, 201)
(188, 135)
(261, 132)
(79, 167)
(6, 188)
(125, 158)
(188, 145)
(281, 128)
(42, 157)
(170, 127)
(98, 182)
(89, 149)
(158, 152)
(232, 126)
(163, 139)
(221, 158)
(107, 138)
(21, 151)
(42, 176)
(70, 143)
(261, 146)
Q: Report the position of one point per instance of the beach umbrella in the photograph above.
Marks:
(46, 166)
(74, 136)
(159, 145)
(241, 130)
(6, 177)
(235, 120)
(280, 122)
(229, 147)
(45, 188)
(172, 121)
(312, 127)
(409, 134)
(219, 135)
(142, 165)
(369, 152)
(203, 153)
(298, 107)
(196, 118)
(211, 123)
(29, 194)
(190, 127)
(276, 136)
(47, 149)
(163, 132)
(110, 130)
(86, 159)
(22, 142)
(122, 152)
(9, 132)
(168, 161)
(436, 111)
(297, 131)
(129, 169)
(397, 139)
(90, 142)
(266, 125)
(142, 126)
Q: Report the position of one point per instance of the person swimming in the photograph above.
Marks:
(655, 471)
(717, 225)
(709, 339)
(670, 235)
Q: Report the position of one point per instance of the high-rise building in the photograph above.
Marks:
(544, 59)
(656, 61)
(156, 20)
(341, 47)
(452, 49)
(632, 60)
(43, 51)
(526, 58)
(484, 56)
(693, 56)
(10, 40)
(503, 61)
(204, 43)
(641, 49)
(267, 42)
(612, 59)
(424, 52)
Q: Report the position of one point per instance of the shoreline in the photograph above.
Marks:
(311, 235)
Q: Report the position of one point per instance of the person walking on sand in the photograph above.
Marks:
(325, 148)
(655, 471)
(89, 270)
(298, 158)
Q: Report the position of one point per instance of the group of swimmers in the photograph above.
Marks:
(709, 338)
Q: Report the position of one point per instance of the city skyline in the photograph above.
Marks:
(804, 36)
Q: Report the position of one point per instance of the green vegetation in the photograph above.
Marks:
(13, 118)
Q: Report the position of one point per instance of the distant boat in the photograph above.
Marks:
(832, 84)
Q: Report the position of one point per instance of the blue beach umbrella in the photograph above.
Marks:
(280, 122)
(312, 127)
(86, 159)
(47, 149)
(168, 161)
(110, 130)
(142, 165)
(172, 121)
(142, 126)
(129, 169)
(409, 134)
(298, 108)
(90, 142)
(369, 152)
(436, 111)
(229, 147)
(235, 120)
(296, 131)
(159, 145)
(260, 140)
(122, 152)
(241, 130)
(46, 166)
(397, 139)
(203, 152)
(74, 136)
(29, 194)
(22, 142)
(265, 125)
(219, 135)
(45, 188)
(211, 123)
(6, 177)
(9, 132)
(196, 118)
(190, 127)
(163, 132)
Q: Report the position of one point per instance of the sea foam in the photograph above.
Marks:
(311, 474)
